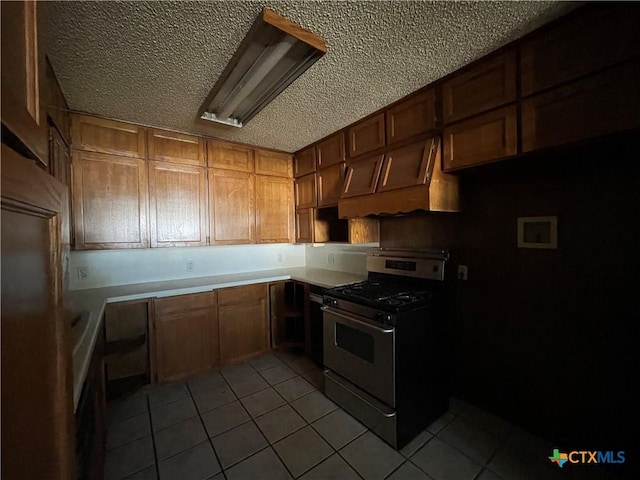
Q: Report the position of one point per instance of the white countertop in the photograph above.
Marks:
(95, 300)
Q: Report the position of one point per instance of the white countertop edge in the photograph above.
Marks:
(96, 307)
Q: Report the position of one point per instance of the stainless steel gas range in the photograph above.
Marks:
(385, 344)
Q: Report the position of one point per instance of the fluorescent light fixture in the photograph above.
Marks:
(273, 54)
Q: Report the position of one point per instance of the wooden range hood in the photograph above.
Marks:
(399, 181)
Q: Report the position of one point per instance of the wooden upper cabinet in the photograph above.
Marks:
(175, 147)
(274, 163)
(362, 176)
(21, 85)
(231, 207)
(408, 166)
(304, 162)
(485, 86)
(108, 136)
(330, 182)
(331, 151)
(597, 37)
(229, 156)
(177, 205)
(55, 104)
(304, 225)
(604, 103)
(366, 136)
(109, 201)
(306, 191)
(412, 117)
(274, 209)
(481, 139)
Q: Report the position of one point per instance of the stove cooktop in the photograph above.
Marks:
(388, 296)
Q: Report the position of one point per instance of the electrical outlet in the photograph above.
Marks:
(190, 264)
(83, 273)
(330, 259)
(279, 258)
(463, 272)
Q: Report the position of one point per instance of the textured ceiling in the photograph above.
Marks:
(155, 62)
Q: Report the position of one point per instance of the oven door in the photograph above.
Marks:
(361, 352)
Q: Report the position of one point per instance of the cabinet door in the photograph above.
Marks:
(304, 162)
(362, 176)
(484, 86)
(231, 207)
(109, 201)
(177, 205)
(306, 191)
(331, 151)
(186, 344)
(597, 105)
(481, 139)
(366, 136)
(412, 117)
(243, 329)
(108, 136)
(60, 168)
(274, 163)
(599, 37)
(36, 368)
(55, 104)
(274, 209)
(176, 148)
(21, 86)
(304, 225)
(408, 166)
(229, 156)
(330, 182)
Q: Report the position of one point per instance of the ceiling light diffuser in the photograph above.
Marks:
(274, 53)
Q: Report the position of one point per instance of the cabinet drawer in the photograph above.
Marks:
(181, 303)
(597, 105)
(601, 36)
(331, 151)
(481, 139)
(412, 117)
(107, 136)
(366, 136)
(176, 148)
(245, 293)
(305, 162)
(229, 156)
(483, 87)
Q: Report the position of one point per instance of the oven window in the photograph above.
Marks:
(355, 342)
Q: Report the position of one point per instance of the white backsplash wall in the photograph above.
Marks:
(341, 257)
(121, 267)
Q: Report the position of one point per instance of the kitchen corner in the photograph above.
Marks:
(95, 300)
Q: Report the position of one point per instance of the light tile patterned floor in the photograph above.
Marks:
(266, 419)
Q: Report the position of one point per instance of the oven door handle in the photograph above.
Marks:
(351, 319)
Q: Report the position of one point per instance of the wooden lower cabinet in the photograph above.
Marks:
(243, 321)
(186, 342)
